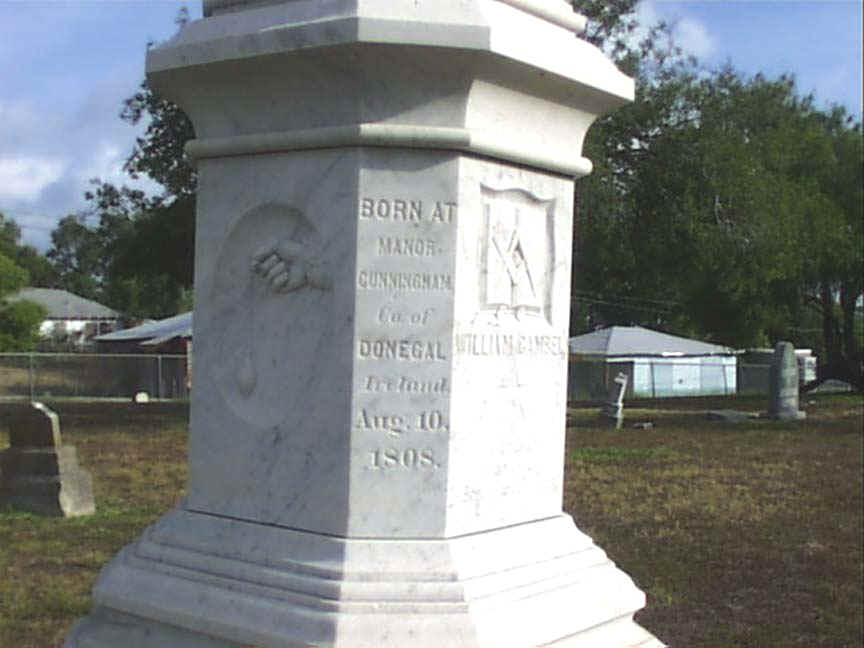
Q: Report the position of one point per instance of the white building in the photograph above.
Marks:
(71, 319)
(657, 364)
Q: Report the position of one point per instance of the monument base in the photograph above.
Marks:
(201, 581)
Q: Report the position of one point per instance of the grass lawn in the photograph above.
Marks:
(741, 535)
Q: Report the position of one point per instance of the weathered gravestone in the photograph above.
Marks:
(37, 472)
(783, 384)
(614, 408)
(382, 279)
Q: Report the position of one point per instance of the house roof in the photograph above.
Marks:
(154, 331)
(64, 305)
(638, 341)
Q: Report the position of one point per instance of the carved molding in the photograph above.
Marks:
(390, 135)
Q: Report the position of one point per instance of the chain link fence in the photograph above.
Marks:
(35, 376)
(590, 380)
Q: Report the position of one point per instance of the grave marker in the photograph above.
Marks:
(614, 408)
(783, 384)
(38, 473)
(382, 301)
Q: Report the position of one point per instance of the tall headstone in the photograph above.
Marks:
(783, 384)
(382, 278)
(37, 472)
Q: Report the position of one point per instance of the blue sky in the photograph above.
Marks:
(67, 65)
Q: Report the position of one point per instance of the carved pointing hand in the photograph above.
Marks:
(288, 266)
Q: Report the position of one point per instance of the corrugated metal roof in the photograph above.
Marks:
(638, 341)
(62, 304)
(155, 332)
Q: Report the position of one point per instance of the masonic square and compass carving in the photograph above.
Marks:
(518, 255)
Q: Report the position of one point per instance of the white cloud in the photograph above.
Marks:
(688, 33)
(692, 36)
(24, 178)
(17, 120)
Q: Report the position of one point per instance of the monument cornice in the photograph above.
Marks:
(558, 14)
(389, 136)
(505, 29)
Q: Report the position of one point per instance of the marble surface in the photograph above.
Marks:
(480, 68)
(230, 584)
(382, 276)
(427, 366)
(783, 384)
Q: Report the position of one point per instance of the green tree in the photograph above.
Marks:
(19, 325)
(78, 257)
(12, 278)
(834, 242)
(38, 267)
(139, 258)
(19, 320)
(722, 207)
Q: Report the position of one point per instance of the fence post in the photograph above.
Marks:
(32, 377)
(159, 376)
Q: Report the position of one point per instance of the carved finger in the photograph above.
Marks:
(264, 251)
(278, 268)
(266, 264)
(279, 283)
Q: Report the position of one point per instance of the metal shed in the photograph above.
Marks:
(170, 335)
(657, 364)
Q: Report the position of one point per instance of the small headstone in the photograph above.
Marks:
(614, 409)
(141, 397)
(732, 416)
(832, 386)
(783, 384)
(38, 473)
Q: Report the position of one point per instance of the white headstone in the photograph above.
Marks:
(783, 381)
(382, 278)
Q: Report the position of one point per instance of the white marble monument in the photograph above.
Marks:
(382, 278)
